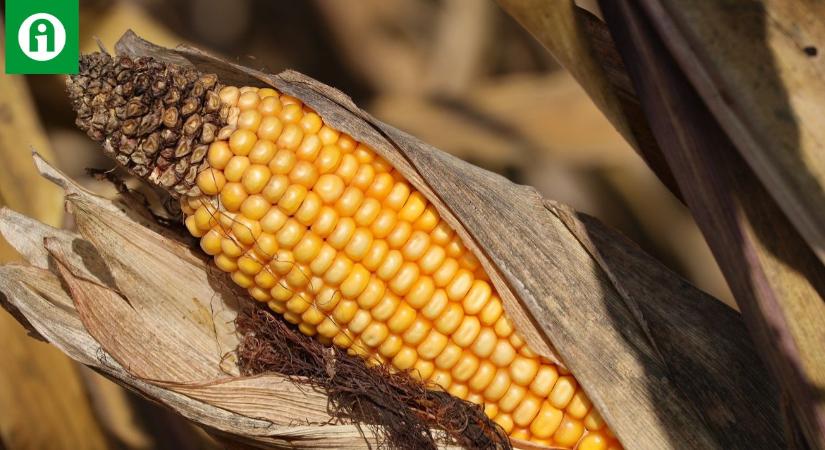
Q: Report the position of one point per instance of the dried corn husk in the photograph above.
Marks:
(664, 363)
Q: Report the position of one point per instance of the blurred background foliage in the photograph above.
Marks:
(459, 74)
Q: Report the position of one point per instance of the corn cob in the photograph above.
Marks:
(330, 236)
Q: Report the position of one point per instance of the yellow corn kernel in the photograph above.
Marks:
(568, 432)
(547, 421)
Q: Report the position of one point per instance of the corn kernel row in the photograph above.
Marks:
(329, 235)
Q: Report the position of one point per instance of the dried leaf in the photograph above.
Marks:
(776, 278)
(764, 81)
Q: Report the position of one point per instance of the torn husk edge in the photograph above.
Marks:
(641, 337)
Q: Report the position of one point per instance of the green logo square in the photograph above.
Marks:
(42, 36)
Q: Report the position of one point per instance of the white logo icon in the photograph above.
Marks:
(41, 37)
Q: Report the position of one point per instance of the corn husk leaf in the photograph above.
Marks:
(43, 401)
(775, 276)
(663, 362)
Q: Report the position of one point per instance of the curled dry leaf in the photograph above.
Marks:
(664, 363)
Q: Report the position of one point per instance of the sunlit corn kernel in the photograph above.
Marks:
(544, 381)
(441, 378)
(490, 409)
(359, 321)
(255, 207)
(519, 433)
(241, 142)
(421, 292)
(275, 188)
(460, 286)
(403, 280)
(328, 328)
(290, 138)
(291, 112)
(292, 198)
(503, 327)
(326, 221)
(328, 135)
(569, 432)
(512, 398)
(485, 343)
(372, 293)
(349, 201)
(302, 172)
(384, 223)
(265, 279)
(466, 333)
(523, 370)
(397, 196)
(375, 334)
(448, 357)
(309, 210)
(428, 220)
(193, 227)
(249, 266)
(262, 152)
(491, 311)
(355, 283)
(547, 421)
(391, 346)
(593, 420)
(211, 242)
(405, 358)
(241, 279)
(483, 376)
(307, 248)
(266, 92)
(270, 105)
(413, 208)
(579, 405)
(309, 148)
(399, 235)
(342, 233)
(232, 196)
(249, 120)
(417, 331)
(465, 368)
(516, 341)
(259, 294)
(386, 307)
(277, 306)
(432, 345)
(503, 354)
(423, 369)
(307, 329)
(323, 260)
(298, 277)
(374, 257)
(458, 390)
(445, 274)
(292, 317)
(204, 218)
(562, 391)
(338, 271)
(390, 266)
(246, 230)
(498, 386)
(432, 259)
(450, 319)
(273, 220)
(382, 185)
(343, 340)
(527, 410)
(327, 298)
(311, 123)
(255, 178)
(225, 263)
(363, 178)
(401, 319)
(248, 100)
(505, 421)
(329, 187)
(417, 244)
(347, 169)
(211, 181)
(283, 262)
(235, 168)
(358, 244)
(593, 441)
(367, 212)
